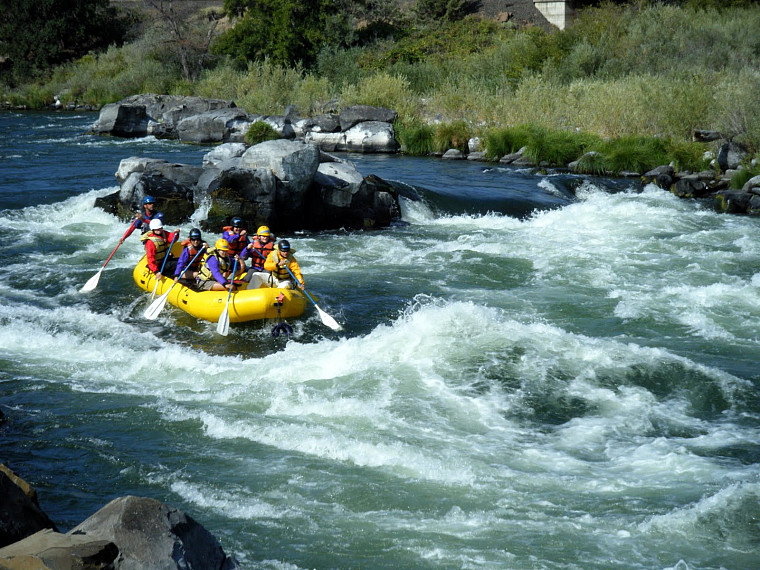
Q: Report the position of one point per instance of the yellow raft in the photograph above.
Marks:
(245, 304)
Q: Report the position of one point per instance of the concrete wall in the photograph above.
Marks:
(558, 13)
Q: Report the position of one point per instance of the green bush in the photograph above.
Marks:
(451, 135)
(416, 138)
(259, 132)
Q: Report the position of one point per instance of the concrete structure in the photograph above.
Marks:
(559, 13)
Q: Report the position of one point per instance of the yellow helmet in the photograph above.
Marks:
(263, 231)
(222, 245)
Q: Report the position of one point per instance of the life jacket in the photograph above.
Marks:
(161, 243)
(225, 267)
(263, 249)
(236, 245)
(282, 273)
(145, 219)
(193, 265)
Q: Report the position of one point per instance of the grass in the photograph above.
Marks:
(611, 76)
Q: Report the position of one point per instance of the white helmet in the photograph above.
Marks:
(156, 224)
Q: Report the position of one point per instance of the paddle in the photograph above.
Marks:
(327, 320)
(155, 308)
(93, 281)
(223, 325)
(166, 258)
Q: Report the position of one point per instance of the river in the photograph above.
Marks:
(539, 371)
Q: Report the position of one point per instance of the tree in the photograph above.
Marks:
(188, 31)
(432, 11)
(287, 32)
(36, 35)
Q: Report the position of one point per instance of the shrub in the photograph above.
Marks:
(259, 132)
(451, 135)
(415, 137)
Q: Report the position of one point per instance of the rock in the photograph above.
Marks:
(474, 145)
(328, 142)
(351, 116)
(752, 185)
(453, 154)
(733, 202)
(294, 163)
(281, 124)
(690, 187)
(663, 176)
(150, 534)
(223, 154)
(250, 194)
(477, 155)
(510, 158)
(145, 114)
(731, 155)
(20, 514)
(51, 550)
(701, 135)
(339, 181)
(212, 126)
(370, 137)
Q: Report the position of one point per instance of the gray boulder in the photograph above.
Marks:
(51, 550)
(294, 163)
(223, 154)
(356, 114)
(731, 155)
(250, 194)
(212, 126)
(146, 114)
(150, 534)
(369, 137)
(339, 182)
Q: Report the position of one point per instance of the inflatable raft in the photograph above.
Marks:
(245, 304)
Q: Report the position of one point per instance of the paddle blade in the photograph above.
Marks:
(327, 320)
(223, 325)
(155, 308)
(91, 283)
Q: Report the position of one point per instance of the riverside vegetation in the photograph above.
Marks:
(626, 85)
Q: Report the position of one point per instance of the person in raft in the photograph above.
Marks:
(258, 251)
(237, 236)
(143, 218)
(189, 261)
(279, 262)
(216, 272)
(157, 243)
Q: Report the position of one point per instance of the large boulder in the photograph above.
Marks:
(149, 114)
(20, 513)
(731, 155)
(250, 194)
(356, 114)
(219, 125)
(294, 163)
(52, 550)
(150, 534)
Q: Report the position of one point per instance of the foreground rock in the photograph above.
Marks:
(287, 185)
(129, 533)
(20, 514)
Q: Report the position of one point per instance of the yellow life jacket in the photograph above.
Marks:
(161, 243)
(225, 267)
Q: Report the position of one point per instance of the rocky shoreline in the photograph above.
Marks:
(127, 533)
(326, 199)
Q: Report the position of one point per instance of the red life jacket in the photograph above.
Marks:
(263, 249)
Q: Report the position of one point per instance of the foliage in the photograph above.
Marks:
(260, 132)
(557, 147)
(451, 135)
(742, 176)
(286, 32)
(434, 11)
(36, 35)
(187, 32)
(500, 142)
(416, 137)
